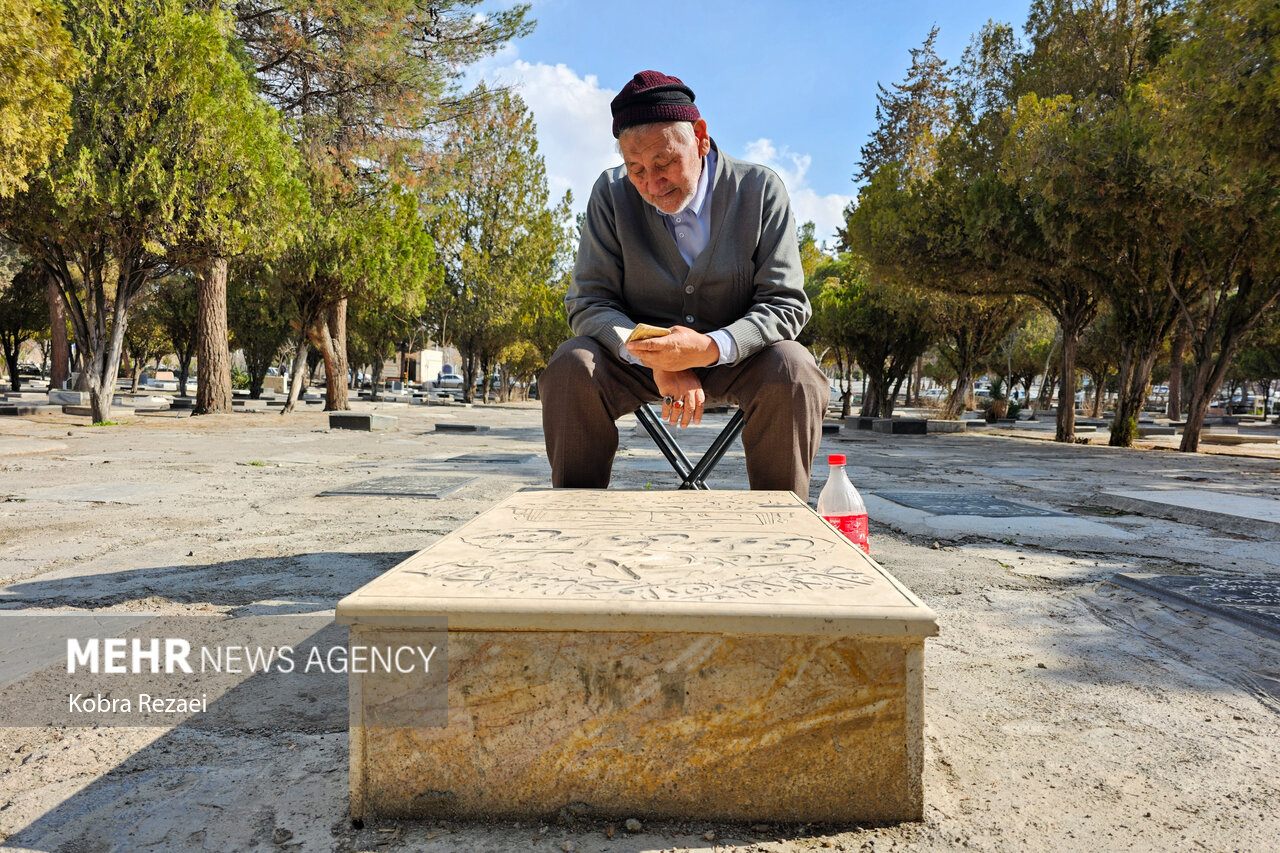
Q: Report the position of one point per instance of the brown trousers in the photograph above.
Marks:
(780, 390)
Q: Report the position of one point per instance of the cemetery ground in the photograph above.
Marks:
(1063, 708)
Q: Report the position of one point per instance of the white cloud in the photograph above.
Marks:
(575, 137)
(574, 124)
(825, 211)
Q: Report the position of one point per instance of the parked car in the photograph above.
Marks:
(449, 382)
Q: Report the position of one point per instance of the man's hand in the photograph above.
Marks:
(687, 396)
(683, 349)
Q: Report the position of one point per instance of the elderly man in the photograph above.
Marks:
(684, 237)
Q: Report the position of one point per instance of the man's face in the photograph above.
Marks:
(663, 165)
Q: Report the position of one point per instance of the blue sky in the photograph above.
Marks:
(791, 85)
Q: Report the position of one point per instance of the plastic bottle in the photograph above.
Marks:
(841, 505)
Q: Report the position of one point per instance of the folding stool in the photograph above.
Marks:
(692, 476)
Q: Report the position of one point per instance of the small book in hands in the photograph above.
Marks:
(644, 331)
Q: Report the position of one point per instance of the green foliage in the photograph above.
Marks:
(885, 328)
(239, 379)
(360, 79)
(37, 62)
(1124, 431)
(503, 248)
(258, 314)
(24, 312)
(175, 307)
(1217, 101)
(171, 156)
(811, 255)
(911, 117)
(146, 337)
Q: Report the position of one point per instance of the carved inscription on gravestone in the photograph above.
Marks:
(622, 545)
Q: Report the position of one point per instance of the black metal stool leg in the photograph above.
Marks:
(691, 476)
(666, 443)
(715, 452)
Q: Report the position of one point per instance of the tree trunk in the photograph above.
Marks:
(103, 363)
(332, 350)
(1173, 408)
(891, 398)
(1196, 411)
(956, 400)
(337, 397)
(298, 375)
(11, 359)
(1066, 420)
(469, 378)
(61, 355)
(870, 398)
(1133, 395)
(376, 385)
(184, 373)
(213, 354)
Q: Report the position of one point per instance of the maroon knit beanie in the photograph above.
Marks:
(652, 96)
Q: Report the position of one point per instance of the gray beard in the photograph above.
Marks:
(683, 204)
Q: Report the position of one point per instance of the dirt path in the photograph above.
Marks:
(1062, 712)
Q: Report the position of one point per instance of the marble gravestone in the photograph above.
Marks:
(715, 655)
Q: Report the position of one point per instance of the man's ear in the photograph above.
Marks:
(704, 140)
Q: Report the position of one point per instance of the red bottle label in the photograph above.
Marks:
(854, 527)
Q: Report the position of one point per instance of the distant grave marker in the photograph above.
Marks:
(461, 428)
(411, 486)
(1252, 602)
(493, 458)
(986, 506)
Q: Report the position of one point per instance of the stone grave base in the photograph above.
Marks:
(1230, 439)
(855, 422)
(936, 425)
(662, 725)
(683, 655)
(900, 426)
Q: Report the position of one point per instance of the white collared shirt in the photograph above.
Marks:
(691, 229)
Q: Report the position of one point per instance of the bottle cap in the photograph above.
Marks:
(836, 459)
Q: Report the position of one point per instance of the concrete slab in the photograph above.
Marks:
(1251, 602)
(461, 428)
(1228, 438)
(410, 486)
(103, 493)
(1251, 516)
(16, 445)
(968, 503)
(489, 459)
(674, 654)
(365, 421)
(940, 426)
(19, 409)
(31, 641)
(1027, 528)
(900, 426)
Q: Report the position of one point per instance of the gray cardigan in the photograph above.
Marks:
(748, 280)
